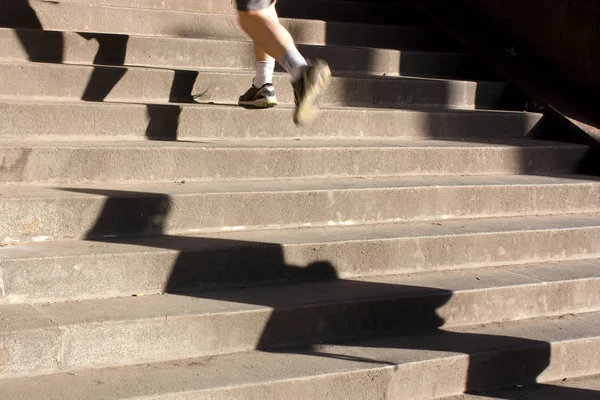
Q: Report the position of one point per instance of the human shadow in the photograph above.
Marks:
(108, 65)
(49, 47)
(20, 15)
(112, 50)
(315, 306)
(163, 120)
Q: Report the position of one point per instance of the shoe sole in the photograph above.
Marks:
(307, 110)
(261, 103)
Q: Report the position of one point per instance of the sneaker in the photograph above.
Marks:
(263, 97)
(315, 79)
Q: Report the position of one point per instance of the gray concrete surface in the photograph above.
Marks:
(363, 370)
(136, 21)
(136, 84)
(165, 121)
(81, 161)
(406, 212)
(63, 270)
(191, 206)
(170, 52)
(585, 388)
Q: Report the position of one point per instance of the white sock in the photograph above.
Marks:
(264, 73)
(293, 62)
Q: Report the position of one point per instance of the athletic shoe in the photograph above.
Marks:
(263, 97)
(314, 81)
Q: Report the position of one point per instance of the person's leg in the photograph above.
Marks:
(259, 20)
(265, 67)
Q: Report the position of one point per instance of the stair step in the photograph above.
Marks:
(585, 388)
(162, 242)
(211, 122)
(75, 82)
(110, 49)
(85, 18)
(132, 209)
(469, 358)
(102, 161)
(164, 327)
(399, 13)
(59, 270)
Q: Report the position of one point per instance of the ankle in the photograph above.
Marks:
(294, 63)
(264, 73)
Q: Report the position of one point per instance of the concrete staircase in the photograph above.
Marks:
(158, 242)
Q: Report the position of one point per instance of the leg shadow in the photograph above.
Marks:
(112, 50)
(163, 120)
(46, 47)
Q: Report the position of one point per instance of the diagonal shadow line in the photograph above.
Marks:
(163, 120)
(392, 316)
(252, 265)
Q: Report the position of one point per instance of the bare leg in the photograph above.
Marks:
(267, 33)
(261, 55)
(272, 39)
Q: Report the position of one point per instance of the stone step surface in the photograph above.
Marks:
(103, 161)
(135, 21)
(165, 327)
(469, 358)
(586, 388)
(99, 210)
(397, 13)
(65, 270)
(111, 49)
(93, 120)
(412, 244)
(77, 82)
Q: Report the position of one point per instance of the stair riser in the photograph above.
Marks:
(64, 164)
(82, 18)
(239, 264)
(106, 121)
(51, 82)
(189, 53)
(104, 344)
(146, 213)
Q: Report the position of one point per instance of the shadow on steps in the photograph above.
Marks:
(408, 321)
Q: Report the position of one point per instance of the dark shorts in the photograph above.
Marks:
(251, 5)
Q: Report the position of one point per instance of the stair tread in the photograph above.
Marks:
(342, 143)
(229, 41)
(339, 232)
(416, 109)
(195, 54)
(225, 6)
(291, 296)
(250, 369)
(229, 17)
(341, 76)
(133, 189)
(76, 81)
(585, 388)
(92, 18)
